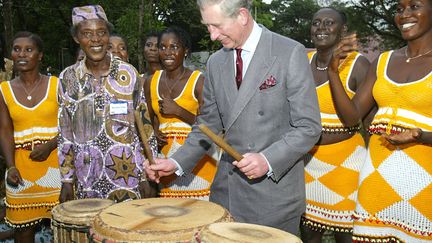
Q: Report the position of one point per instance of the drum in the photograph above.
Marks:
(155, 220)
(71, 220)
(244, 233)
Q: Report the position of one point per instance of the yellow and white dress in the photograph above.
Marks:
(332, 171)
(27, 204)
(197, 184)
(395, 193)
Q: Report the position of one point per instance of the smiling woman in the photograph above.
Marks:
(331, 192)
(174, 96)
(393, 203)
(100, 151)
(29, 139)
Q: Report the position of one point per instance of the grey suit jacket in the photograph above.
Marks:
(282, 122)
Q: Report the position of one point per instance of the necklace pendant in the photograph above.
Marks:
(407, 60)
(29, 97)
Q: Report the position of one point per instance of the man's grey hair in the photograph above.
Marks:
(229, 7)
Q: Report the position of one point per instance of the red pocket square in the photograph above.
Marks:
(268, 83)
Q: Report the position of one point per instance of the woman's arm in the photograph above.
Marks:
(41, 152)
(350, 111)
(7, 144)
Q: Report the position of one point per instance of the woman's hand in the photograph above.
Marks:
(408, 136)
(41, 152)
(169, 107)
(161, 139)
(346, 45)
(14, 177)
(67, 193)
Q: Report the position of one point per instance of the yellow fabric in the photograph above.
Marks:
(395, 192)
(177, 131)
(328, 111)
(33, 126)
(332, 171)
(401, 105)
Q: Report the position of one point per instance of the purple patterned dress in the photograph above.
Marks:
(99, 149)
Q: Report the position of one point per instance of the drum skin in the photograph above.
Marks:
(242, 233)
(71, 220)
(155, 220)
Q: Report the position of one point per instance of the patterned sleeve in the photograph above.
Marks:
(65, 147)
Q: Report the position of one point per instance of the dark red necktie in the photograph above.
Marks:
(239, 68)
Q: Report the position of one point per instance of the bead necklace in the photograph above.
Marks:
(35, 84)
(319, 68)
(419, 55)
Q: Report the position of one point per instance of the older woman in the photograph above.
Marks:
(100, 151)
(29, 139)
(174, 96)
(332, 166)
(396, 180)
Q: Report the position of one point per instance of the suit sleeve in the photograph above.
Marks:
(305, 122)
(197, 143)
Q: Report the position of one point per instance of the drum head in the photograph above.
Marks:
(79, 212)
(156, 219)
(245, 233)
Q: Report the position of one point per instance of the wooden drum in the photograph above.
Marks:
(155, 220)
(244, 233)
(71, 220)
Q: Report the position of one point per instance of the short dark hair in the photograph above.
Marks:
(181, 34)
(121, 37)
(37, 40)
(341, 13)
(151, 33)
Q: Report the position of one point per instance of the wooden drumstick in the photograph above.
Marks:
(144, 138)
(220, 142)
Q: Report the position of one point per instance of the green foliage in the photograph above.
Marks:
(376, 17)
(292, 18)
(51, 19)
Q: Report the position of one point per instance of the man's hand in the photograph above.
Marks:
(67, 193)
(253, 165)
(163, 167)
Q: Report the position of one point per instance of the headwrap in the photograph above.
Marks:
(82, 13)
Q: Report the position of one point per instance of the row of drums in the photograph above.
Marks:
(155, 220)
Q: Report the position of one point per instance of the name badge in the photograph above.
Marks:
(119, 108)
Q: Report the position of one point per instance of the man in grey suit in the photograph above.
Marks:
(269, 113)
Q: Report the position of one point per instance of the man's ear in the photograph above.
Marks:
(243, 16)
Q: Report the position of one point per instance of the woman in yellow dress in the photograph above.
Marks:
(332, 166)
(395, 183)
(28, 124)
(174, 96)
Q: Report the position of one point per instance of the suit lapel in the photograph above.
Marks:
(257, 71)
(227, 73)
